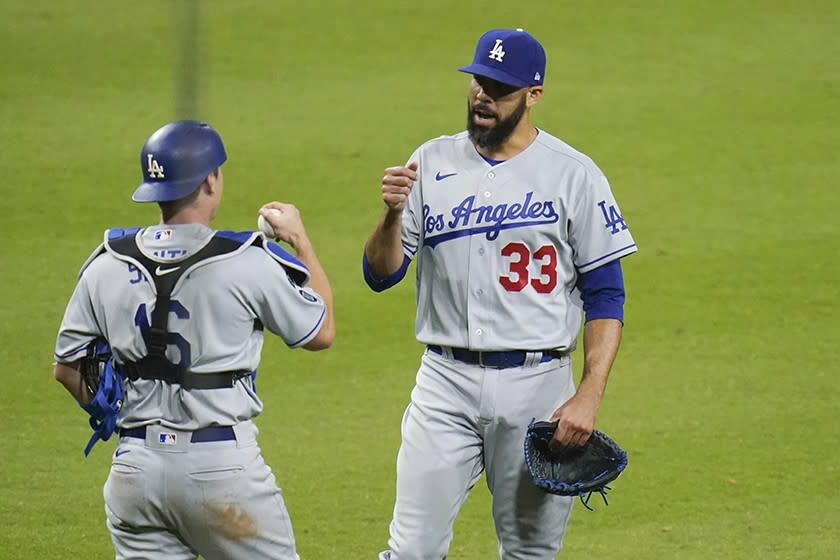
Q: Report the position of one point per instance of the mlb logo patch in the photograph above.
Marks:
(162, 234)
(167, 438)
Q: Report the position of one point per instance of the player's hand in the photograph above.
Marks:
(575, 421)
(288, 225)
(396, 184)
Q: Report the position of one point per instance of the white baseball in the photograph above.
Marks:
(266, 227)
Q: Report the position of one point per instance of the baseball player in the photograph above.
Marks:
(516, 236)
(184, 309)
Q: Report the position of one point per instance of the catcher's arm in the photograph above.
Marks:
(289, 228)
(68, 374)
(576, 418)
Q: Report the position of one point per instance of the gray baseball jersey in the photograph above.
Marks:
(219, 311)
(499, 248)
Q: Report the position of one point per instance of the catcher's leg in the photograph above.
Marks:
(217, 499)
(231, 506)
(438, 463)
(145, 545)
(133, 501)
(530, 523)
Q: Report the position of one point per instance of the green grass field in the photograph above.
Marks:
(715, 121)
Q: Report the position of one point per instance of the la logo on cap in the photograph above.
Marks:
(497, 53)
(155, 169)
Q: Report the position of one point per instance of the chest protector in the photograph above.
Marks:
(122, 244)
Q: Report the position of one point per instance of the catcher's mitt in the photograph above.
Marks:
(104, 383)
(576, 471)
(91, 366)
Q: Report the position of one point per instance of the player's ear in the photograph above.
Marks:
(211, 182)
(533, 96)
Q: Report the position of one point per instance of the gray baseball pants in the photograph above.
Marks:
(463, 420)
(167, 497)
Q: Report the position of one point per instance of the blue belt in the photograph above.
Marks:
(212, 433)
(499, 360)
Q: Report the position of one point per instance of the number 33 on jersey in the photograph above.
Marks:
(518, 234)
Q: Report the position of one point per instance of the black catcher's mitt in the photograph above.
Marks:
(104, 383)
(576, 471)
(93, 364)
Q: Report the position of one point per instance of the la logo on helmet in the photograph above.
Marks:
(497, 53)
(155, 169)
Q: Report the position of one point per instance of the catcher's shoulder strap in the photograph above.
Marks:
(155, 365)
(113, 233)
(296, 270)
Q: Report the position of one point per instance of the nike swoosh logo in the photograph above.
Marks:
(161, 271)
(122, 452)
(440, 177)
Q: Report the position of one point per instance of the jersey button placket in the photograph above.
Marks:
(477, 269)
(478, 292)
(478, 273)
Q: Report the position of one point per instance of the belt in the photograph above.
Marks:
(498, 360)
(212, 433)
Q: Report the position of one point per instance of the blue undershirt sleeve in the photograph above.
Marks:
(602, 292)
(379, 284)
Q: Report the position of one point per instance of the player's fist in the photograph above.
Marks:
(396, 185)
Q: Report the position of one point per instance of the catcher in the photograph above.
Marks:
(185, 310)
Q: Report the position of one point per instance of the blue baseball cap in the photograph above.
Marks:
(510, 56)
(176, 159)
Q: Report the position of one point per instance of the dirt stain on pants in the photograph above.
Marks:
(232, 522)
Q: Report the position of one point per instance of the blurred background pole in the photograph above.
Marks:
(188, 58)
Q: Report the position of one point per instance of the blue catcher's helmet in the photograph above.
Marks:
(176, 159)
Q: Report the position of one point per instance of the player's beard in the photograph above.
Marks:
(492, 137)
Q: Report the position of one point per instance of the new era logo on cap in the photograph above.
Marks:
(510, 56)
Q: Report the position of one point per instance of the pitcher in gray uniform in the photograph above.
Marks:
(184, 309)
(517, 235)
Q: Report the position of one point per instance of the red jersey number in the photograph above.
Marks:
(518, 276)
